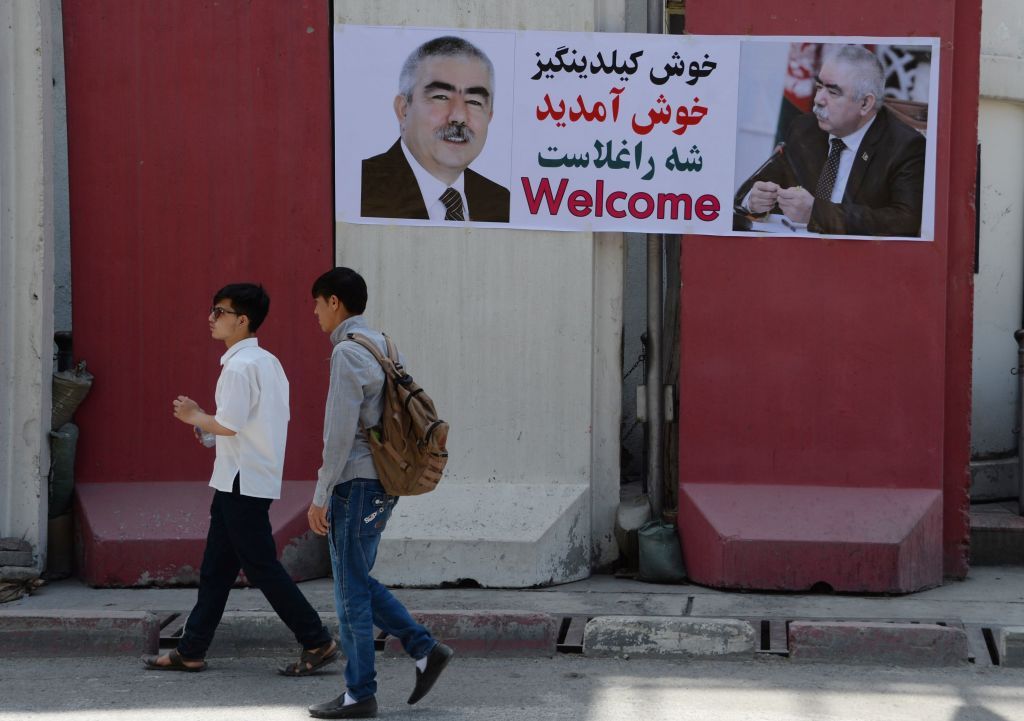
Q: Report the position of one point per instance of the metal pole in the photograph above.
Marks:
(1019, 337)
(655, 394)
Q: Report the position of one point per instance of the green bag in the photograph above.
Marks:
(661, 558)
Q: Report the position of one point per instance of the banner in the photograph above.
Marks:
(636, 133)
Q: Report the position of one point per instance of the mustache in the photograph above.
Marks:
(454, 131)
(820, 112)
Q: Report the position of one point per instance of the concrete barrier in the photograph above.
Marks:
(866, 642)
(1010, 642)
(669, 636)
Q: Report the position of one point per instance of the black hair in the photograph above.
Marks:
(346, 284)
(247, 299)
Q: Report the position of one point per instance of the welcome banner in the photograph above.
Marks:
(634, 133)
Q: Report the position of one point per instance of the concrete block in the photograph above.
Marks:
(17, 574)
(15, 558)
(897, 644)
(78, 633)
(15, 544)
(499, 535)
(1010, 643)
(669, 636)
(153, 533)
(993, 480)
(490, 633)
(795, 537)
(997, 534)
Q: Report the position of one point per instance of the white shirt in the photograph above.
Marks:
(431, 189)
(846, 159)
(252, 401)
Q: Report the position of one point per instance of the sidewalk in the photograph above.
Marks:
(979, 620)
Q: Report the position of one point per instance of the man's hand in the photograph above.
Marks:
(187, 410)
(317, 516)
(762, 197)
(796, 204)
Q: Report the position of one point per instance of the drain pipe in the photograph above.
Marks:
(1019, 337)
(655, 394)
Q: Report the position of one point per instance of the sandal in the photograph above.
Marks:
(311, 660)
(177, 663)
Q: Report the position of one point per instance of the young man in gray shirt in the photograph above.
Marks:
(351, 506)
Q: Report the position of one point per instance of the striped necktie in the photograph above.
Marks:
(453, 205)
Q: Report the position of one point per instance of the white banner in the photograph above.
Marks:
(712, 135)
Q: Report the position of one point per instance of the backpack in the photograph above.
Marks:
(408, 446)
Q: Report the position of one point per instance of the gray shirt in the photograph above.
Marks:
(355, 400)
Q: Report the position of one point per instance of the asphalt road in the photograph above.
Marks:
(563, 688)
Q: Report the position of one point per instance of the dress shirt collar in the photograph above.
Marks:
(854, 139)
(244, 343)
(430, 187)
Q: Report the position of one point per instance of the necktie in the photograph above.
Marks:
(827, 179)
(453, 205)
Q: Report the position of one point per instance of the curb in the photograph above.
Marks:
(669, 636)
(470, 633)
(862, 642)
(489, 633)
(1011, 646)
(78, 633)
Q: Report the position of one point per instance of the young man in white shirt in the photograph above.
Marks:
(251, 428)
(351, 507)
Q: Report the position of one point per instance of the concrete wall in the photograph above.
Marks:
(520, 345)
(999, 283)
(26, 267)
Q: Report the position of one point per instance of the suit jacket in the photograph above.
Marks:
(883, 195)
(390, 190)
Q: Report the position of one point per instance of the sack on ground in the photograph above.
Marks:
(408, 446)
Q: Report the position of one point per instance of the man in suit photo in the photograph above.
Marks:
(848, 167)
(444, 106)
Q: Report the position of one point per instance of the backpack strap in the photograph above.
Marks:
(390, 364)
(392, 352)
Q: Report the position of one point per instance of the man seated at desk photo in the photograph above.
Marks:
(849, 167)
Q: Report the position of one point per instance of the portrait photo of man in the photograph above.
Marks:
(444, 106)
(850, 166)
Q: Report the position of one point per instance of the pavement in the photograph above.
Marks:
(978, 621)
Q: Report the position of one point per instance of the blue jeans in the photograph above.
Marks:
(358, 512)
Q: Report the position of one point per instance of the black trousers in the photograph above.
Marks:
(240, 537)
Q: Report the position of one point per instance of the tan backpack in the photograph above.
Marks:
(408, 445)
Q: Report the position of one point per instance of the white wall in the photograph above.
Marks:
(26, 268)
(517, 335)
(998, 286)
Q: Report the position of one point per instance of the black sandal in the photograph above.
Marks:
(311, 660)
(177, 663)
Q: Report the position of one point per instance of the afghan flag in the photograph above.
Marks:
(798, 98)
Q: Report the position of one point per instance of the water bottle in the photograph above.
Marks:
(206, 438)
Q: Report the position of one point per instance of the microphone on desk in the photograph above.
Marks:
(742, 217)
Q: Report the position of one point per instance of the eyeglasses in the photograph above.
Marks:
(218, 310)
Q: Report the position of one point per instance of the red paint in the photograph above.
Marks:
(200, 154)
(153, 534)
(834, 364)
(793, 537)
